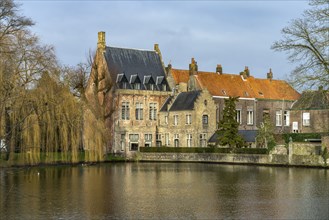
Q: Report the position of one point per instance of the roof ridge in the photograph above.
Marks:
(126, 48)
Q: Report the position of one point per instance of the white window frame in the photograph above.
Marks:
(167, 140)
(189, 140)
(250, 117)
(153, 111)
(286, 117)
(139, 111)
(125, 110)
(306, 119)
(205, 119)
(166, 119)
(175, 120)
(188, 119)
(278, 117)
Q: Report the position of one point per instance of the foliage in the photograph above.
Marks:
(301, 137)
(265, 134)
(203, 150)
(42, 104)
(228, 132)
(306, 39)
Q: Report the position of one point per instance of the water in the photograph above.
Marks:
(164, 190)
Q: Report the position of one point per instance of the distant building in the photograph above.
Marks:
(310, 114)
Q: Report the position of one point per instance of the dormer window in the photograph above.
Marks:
(137, 86)
(246, 93)
(224, 92)
(164, 87)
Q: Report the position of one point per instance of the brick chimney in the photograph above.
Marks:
(219, 69)
(245, 73)
(270, 75)
(101, 44)
(193, 67)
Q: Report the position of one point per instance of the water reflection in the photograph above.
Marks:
(165, 190)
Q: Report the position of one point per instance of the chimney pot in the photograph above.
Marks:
(270, 75)
(219, 69)
(193, 67)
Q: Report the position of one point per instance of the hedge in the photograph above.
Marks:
(301, 137)
(203, 150)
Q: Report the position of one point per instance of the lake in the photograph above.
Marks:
(164, 191)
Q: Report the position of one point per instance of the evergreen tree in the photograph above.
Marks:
(228, 132)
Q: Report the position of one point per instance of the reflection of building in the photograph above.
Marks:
(145, 104)
(311, 112)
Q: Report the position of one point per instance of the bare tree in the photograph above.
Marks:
(306, 40)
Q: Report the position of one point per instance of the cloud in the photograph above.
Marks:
(233, 33)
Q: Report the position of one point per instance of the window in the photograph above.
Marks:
(153, 111)
(188, 119)
(148, 140)
(124, 85)
(167, 142)
(164, 87)
(189, 140)
(158, 140)
(176, 140)
(250, 117)
(123, 142)
(137, 86)
(224, 92)
(217, 117)
(203, 140)
(175, 120)
(204, 119)
(238, 116)
(139, 111)
(125, 111)
(306, 119)
(286, 118)
(278, 117)
(166, 119)
(133, 141)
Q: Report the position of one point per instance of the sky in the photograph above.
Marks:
(234, 33)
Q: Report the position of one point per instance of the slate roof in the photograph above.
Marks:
(133, 61)
(248, 136)
(235, 85)
(183, 101)
(313, 100)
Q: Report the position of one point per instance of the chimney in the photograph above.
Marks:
(270, 75)
(219, 69)
(193, 67)
(168, 69)
(156, 48)
(246, 70)
(101, 44)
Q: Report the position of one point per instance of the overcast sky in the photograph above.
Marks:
(232, 33)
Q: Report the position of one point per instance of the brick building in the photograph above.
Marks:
(257, 97)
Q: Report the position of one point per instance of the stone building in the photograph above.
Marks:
(310, 114)
(257, 97)
(127, 87)
(187, 119)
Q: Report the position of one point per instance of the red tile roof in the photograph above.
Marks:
(235, 85)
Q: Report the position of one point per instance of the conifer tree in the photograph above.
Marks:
(228, 132)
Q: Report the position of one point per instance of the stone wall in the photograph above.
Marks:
(277, 160)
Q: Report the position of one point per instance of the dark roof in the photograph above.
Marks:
(185, 101)
(313, 100)
(164, 107)
(248, 136)
(132, 61)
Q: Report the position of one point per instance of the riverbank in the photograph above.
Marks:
(252, 159)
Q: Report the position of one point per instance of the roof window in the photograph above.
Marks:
(223, 91)
(260, 93)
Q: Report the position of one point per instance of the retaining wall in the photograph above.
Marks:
(272, 159)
